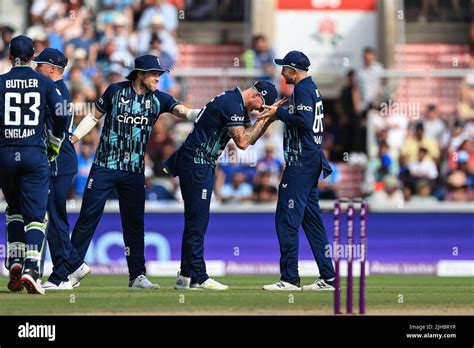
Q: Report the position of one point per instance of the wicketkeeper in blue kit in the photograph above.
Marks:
(51, 63)
(298, 201)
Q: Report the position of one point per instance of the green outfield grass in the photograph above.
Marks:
(110, 295)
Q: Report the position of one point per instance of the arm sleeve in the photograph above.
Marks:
(104, 103)
(167, 102)
(58, 110)
(303, 114)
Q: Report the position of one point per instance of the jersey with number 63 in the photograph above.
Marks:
(303, 123)
(24, 95)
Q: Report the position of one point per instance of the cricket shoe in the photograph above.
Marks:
(182, 282)
(79, 274)
(14, 283)
(320, 285)
(64, 285)
(31, 281)
(282, 286)
(142, 282)
(209, 284)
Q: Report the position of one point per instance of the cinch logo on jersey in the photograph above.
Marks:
(136, 120)
(302, 107)
(236, 118)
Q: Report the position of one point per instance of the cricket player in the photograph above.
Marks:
(24, 150)
(224, 117)
(298, 201)
(51, 63)
(131, 108)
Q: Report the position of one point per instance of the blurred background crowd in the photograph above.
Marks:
(392, 151)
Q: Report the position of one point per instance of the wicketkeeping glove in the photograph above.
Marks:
(54, 146)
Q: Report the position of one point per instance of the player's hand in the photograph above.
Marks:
(271, 109)
(54, 146)
(280, 102)
(74, 139)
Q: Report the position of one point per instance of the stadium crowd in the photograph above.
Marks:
(423, 157)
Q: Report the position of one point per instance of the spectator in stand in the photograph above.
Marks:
(87, 41)
(125, 40)
(85, 158)
(391, 193)
(465, 152)
(397, 127)
(412, 145)
(168, 149)
(383, 165)
(424, 167)
(77, 82)
(5, 64)
(238, 191)
(158, 144)
(263, 189)
(270, 164)
(168, 42)
(7, 34)
(80, 60)
(433, 125)
(466, 103)
(465, 164)
(369, 79)
(457, 187)
(157, 189)
(40, 40)
(55, 38)
(261, 56)
(350, 100)
(156, 49)
(423, 192)
(161, 8)
(117, 73)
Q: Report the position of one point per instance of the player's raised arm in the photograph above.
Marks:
(86, 125)
(244, 137)
(268, 119)
(185, 113)
(302, 116)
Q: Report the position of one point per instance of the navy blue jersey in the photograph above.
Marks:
(24, 96)
(129, 120)
(66, 162)
(303, 123)
(211, 128)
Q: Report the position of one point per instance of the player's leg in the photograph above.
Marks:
(10, 183)
(292, 196)
(131, 192)
(58, 233)
(196, 186)
(15, 245)
(100, 183)
(318, 241)
(34, 183)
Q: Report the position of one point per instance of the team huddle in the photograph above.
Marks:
(38, 164)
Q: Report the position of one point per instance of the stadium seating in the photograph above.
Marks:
(444, 92)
